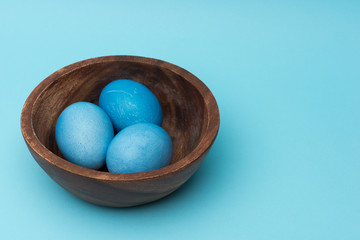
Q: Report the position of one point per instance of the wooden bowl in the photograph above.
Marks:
(191, 117)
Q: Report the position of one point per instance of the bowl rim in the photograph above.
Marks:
(211, 131)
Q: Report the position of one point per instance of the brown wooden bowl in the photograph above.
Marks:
(190, 113)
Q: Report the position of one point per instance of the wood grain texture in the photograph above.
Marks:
(191, 117)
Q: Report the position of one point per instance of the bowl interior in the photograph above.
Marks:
(184, 109)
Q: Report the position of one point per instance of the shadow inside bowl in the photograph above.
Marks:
(183, 106)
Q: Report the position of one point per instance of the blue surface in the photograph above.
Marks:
(286, 76)
(83, 133)
(139, 148)
(128, 102)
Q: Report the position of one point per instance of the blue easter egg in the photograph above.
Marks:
(139, 148)
(128, 102)
(83, 133)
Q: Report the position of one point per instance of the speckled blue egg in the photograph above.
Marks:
(128, 102)
(139, 148)
(83, 133)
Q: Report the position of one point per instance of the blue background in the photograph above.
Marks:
(286, 163)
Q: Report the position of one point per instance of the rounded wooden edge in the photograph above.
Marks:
(203, 146)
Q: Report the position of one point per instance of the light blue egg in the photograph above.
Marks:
(83, 133)
(128, 102)
(139, 148)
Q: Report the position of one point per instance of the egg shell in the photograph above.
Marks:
(139, 148)
(83, 133)
(128, 102)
